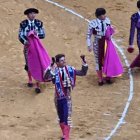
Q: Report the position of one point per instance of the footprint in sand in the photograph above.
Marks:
(12, 125)
(4, 116)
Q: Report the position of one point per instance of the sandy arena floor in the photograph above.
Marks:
(96, 110)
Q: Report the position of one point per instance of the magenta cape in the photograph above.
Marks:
(112, 64)
(38, 58)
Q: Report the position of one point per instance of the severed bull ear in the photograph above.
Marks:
(53, 61)
(83, 58)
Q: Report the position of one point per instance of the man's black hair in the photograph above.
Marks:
(99, 12)
(58, 57)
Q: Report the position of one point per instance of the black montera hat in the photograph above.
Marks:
(30, 10)
(138, 3)
(100, 11)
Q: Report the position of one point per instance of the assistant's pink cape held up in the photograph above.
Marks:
(39, 60)
(112, 64)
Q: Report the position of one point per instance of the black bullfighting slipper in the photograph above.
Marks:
(109, 81)
(37, 90)
(100, 83)
(30, 84)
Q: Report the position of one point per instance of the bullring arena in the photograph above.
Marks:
(107, 112)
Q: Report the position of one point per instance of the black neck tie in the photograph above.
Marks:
(102, 26)
(32, 26)
(62, 74)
